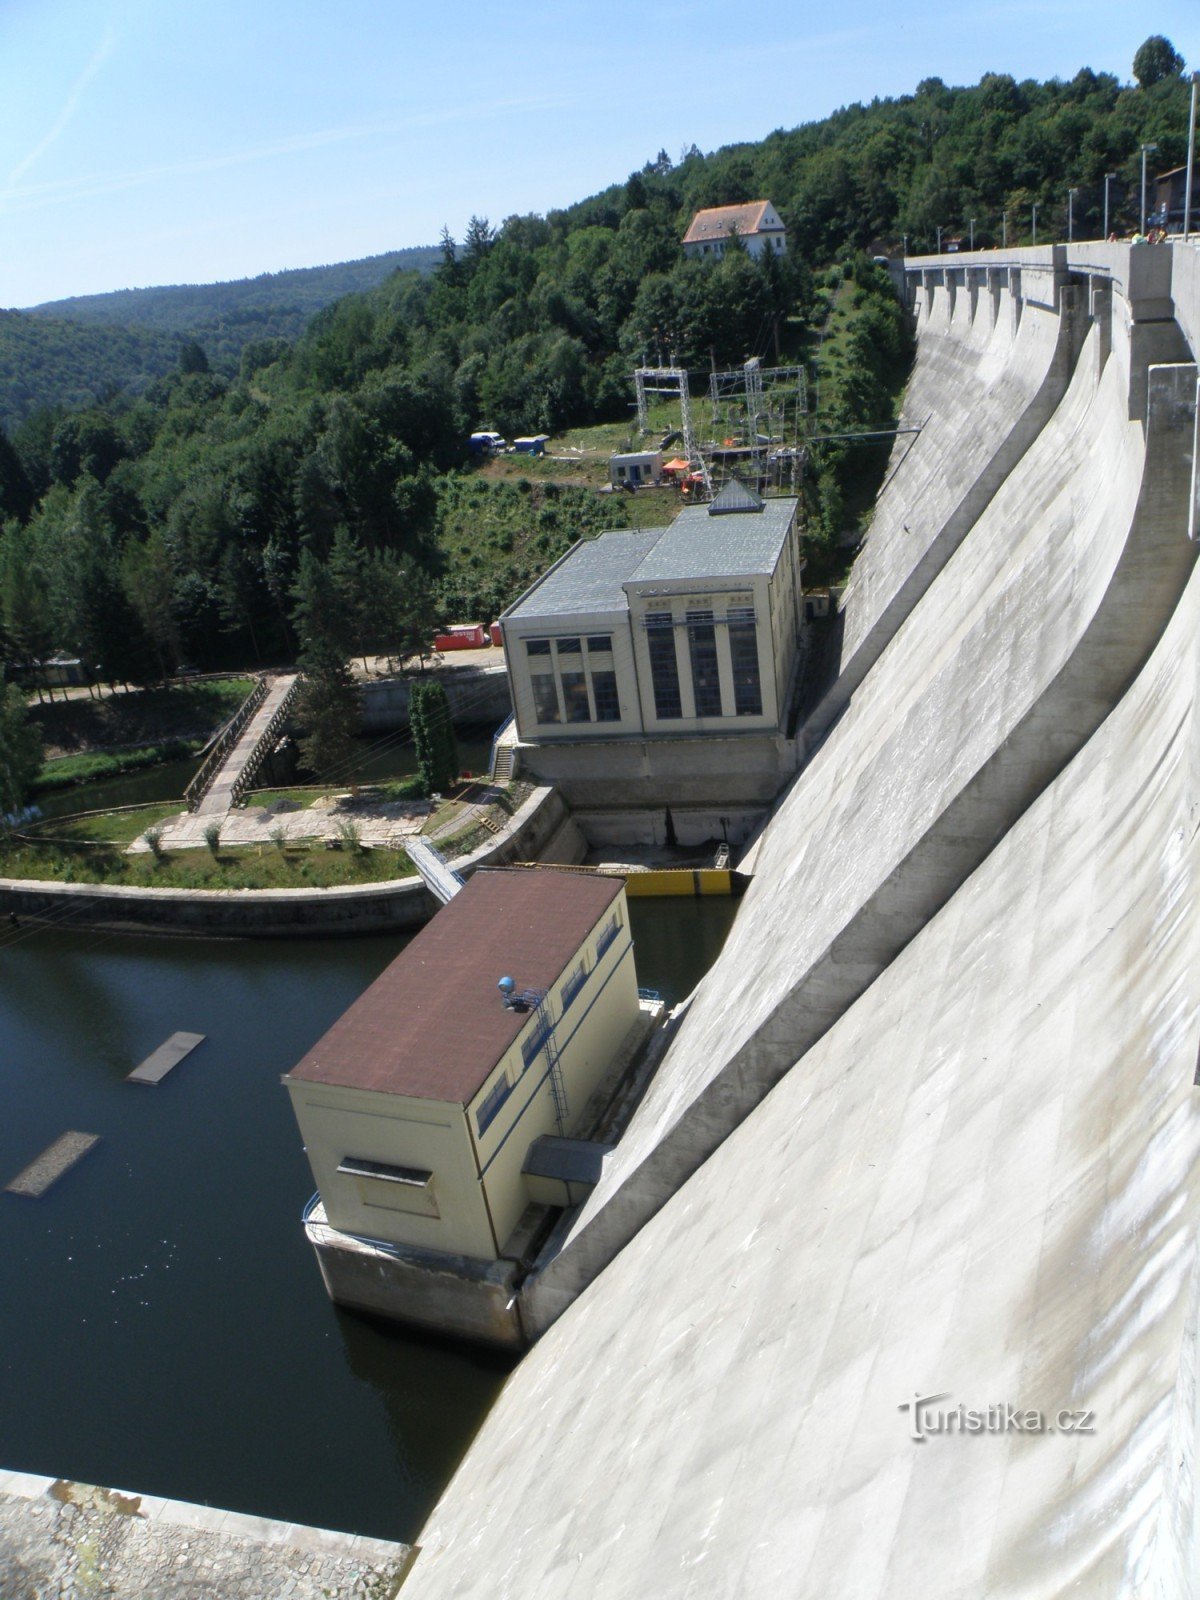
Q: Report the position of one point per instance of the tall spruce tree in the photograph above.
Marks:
(20, 751)
(433, 735)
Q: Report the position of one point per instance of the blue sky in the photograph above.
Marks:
(152, 141)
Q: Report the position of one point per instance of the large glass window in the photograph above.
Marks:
(599, 641)
(545, 698)
(568, 646)
(604, 692)
(706, 682)
(743, 653)
(575, 697)
(664, 667)
(537, 647)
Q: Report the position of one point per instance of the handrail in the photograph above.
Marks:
(496, 738)
(210, 766)
(259, 754)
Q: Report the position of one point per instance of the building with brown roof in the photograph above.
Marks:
(490, 1030)
(757, 224)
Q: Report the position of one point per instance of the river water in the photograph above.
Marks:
(163, 1325)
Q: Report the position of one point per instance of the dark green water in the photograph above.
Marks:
(163, 1325)
(164, 782)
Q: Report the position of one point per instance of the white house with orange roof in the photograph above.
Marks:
(757, 224)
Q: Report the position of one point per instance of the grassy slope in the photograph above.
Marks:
(141, 717)
(264, 867)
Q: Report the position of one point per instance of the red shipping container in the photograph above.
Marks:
(496, 636)
(463, 636)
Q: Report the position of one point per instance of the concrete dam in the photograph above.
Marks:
(891, 1285)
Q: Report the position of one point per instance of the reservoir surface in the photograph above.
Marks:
(163, 1325)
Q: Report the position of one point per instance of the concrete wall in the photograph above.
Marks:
(260, 913)
(991, 366)
(1001, 673)
(982, 1181)
(476, 695)
(470, 1299)
(717, 771)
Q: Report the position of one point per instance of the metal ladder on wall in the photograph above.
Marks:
(546, 1025)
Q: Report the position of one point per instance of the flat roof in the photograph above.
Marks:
(433, 1025)
(589, 577)
(736, 545)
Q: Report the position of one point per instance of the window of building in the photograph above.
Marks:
(535, 1041)
(492, 1101)
(574, 984)
(664, 666)
(604, 692)
(392, 1188)
(537, 647)
(568, 646)
(608, 933)
(575, 697)
(599, 641)
(545, 698)
(743, 654)
(706, 682)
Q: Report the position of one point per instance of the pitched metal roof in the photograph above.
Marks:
(738, 544)
(433, 1025)
(735, 496)
(718, 222)
(588, 578)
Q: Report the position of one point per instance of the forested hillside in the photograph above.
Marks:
(323, 487)
(74, 352)
(46, 361)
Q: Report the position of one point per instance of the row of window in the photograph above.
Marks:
(572, 986)
(702, 659)
(564, 697)
(570, 645)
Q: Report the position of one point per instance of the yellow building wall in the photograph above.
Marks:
(476, 1183)
(400, 1131)
(588, 1038)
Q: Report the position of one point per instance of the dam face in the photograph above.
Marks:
(924, 1148)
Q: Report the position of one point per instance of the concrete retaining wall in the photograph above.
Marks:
(999, 676)
(476, 695)
(397, 907)
(989, 352)
(983, 1183)
(738, 770)
(473, 1300)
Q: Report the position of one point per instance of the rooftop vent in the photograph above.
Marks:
(735, 496)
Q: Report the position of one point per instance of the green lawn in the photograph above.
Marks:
(65, 772)
(256, 867)
(110, 827)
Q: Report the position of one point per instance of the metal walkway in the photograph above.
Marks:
(253, 744)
